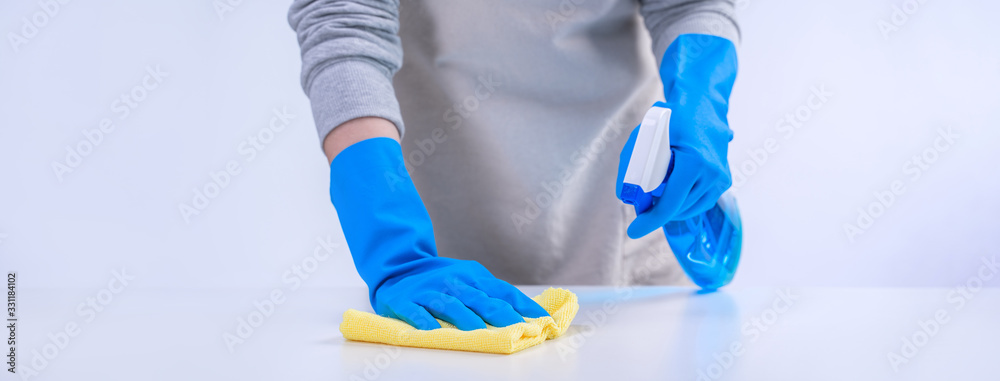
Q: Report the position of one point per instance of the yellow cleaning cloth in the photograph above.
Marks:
(560, 303)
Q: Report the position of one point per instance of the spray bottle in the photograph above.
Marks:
(708, 245)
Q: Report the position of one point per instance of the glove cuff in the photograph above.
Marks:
(698, 66)
(385, 223)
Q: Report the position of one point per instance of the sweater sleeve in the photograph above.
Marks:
(667, 19)
(350, 52)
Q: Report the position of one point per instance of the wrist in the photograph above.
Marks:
(356, 130)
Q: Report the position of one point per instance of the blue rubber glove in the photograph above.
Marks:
(391, 239)
(698, 72)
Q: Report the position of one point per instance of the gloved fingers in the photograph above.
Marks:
(495, 312)
(450, 309)
(679, 185)
(701, 186)
(414, 315)
(703, 204)
(704, 194)
(504, 291)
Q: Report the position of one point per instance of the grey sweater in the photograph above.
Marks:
(515, 112)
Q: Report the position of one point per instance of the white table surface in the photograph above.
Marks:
(650, 333)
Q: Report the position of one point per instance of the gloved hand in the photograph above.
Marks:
(392, 242)
(698, 72)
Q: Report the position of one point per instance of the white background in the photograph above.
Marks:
(120, 207)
